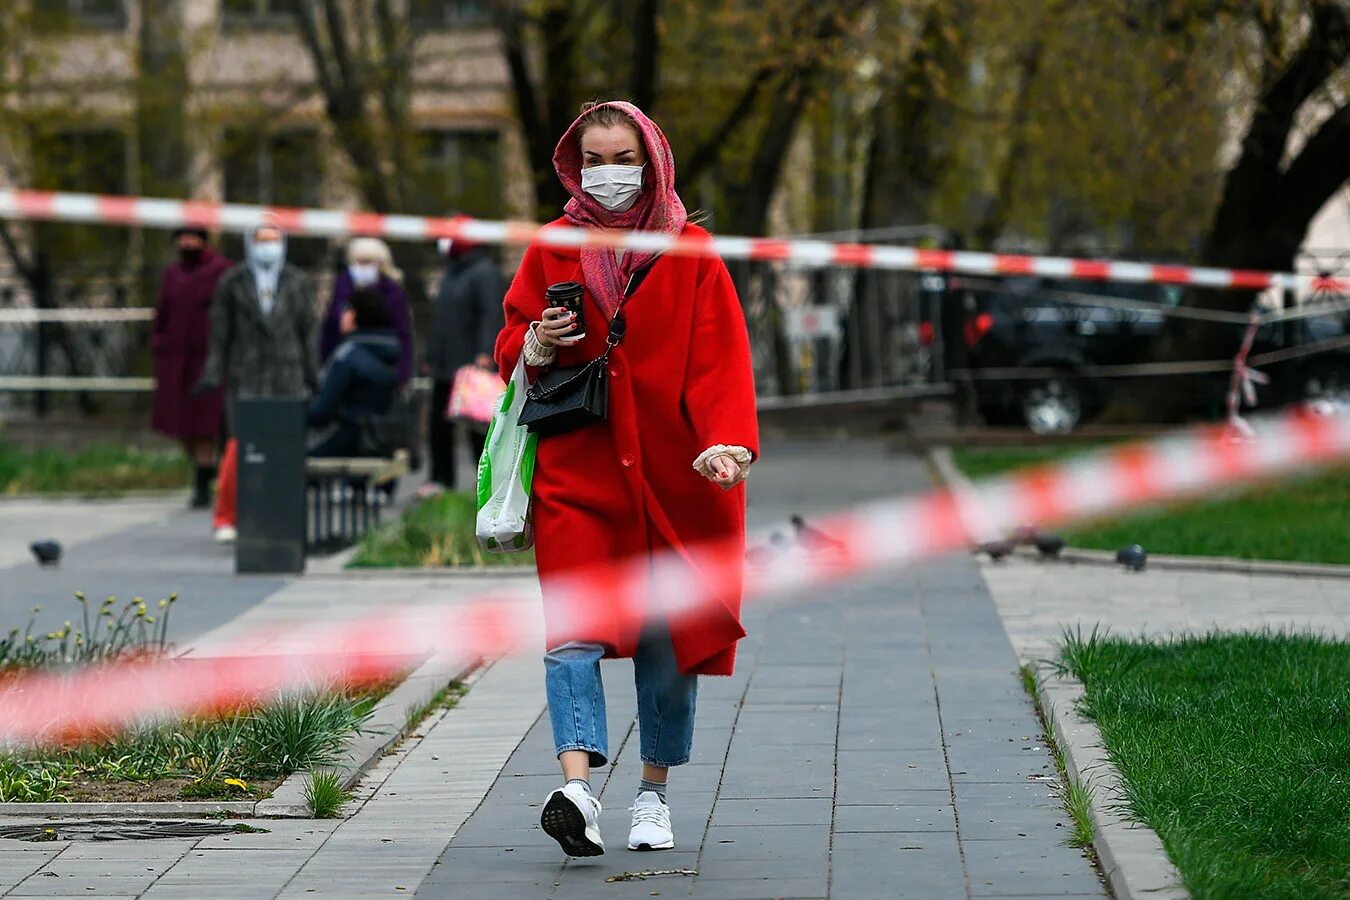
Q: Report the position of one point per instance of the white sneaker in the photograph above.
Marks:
(225, 534)
(572, 818)
(651, 824)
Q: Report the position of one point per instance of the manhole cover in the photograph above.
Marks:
(121, 830)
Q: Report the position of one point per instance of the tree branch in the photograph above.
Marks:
(707, 152)
(1314, 177)
(309, 33)
(1251, 187)
(646, 51)
(26, 268)
(511, 27)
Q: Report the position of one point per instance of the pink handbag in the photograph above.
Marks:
(473, 395)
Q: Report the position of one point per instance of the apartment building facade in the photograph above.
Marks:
(256, 126)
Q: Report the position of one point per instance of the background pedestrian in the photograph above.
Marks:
(370, 266)
(361, 379)
(465, 321)
(179, 344)
(264, 343)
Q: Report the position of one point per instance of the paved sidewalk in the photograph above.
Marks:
(874, 742)
(1037, 600)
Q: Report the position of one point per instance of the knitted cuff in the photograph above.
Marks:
(536, 354)
(742, 456)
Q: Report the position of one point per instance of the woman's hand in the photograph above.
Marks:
(724, 472)
(557, 324)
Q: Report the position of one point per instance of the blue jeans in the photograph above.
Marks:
(665, 701)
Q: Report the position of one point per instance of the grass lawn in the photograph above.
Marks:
(1302, 519)
(1236, 750)
(99, 469)
(435, 533)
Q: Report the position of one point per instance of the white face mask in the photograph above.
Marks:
(364, 274)
(267, 254)
(616, 188)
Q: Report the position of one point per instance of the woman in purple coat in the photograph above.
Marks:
(370, 265)
(179, 343)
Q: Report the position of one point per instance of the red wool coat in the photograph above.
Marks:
(680, 382)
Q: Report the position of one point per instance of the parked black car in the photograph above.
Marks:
(1019, 322)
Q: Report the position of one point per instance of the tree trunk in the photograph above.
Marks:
(1265, 210)
(161, 122)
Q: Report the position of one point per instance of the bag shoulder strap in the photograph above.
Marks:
(618, 326)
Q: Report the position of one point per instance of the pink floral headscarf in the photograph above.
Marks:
(658, 207)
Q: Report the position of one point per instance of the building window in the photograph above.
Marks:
(258, 12)
(449, 13)
(282, 169)
(94, 162)
(462, 173)
(61, 14)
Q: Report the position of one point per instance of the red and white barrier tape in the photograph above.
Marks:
(92, 702)
(1242, 385)
(161, 213)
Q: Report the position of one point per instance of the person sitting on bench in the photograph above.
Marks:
(360, 384)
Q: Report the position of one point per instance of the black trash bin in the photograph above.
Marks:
(271, 434)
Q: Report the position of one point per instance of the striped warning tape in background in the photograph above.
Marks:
(887, 533)
(163, 213)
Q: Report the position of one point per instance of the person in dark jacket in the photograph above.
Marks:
(362, 376)
(179, 343)
(264, 343)
(465, 321)
(370, 266)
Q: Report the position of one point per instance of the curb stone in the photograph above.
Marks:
(1131, 854)
(388, 725)
(942, 463)
(467, 572)
(1203, 563)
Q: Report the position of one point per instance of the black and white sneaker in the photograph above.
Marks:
(572, 818)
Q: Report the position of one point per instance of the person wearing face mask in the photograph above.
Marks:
(370, 266)
(662, 474)
(466, 317)
(179, 342)
(264, 342)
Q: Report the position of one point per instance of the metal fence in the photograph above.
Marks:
(818, 331)
(84, 346)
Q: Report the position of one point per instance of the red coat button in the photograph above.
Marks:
(628, 460)
(615, 371)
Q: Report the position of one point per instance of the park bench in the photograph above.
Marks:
(345, 497)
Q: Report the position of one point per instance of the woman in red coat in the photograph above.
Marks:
(662, 474)
(179, 343)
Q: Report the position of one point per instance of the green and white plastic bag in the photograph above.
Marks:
(505, 472)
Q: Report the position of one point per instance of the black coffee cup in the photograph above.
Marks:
(567, 294)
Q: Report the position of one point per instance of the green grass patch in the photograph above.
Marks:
(1235, 749)
(236, 753)
(445, 698)
(324, 793)
(436, 533)
(96, 470)
(1300, 519)
(1076, 796)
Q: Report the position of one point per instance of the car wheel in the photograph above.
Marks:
(1328, 381)
(1054, 406)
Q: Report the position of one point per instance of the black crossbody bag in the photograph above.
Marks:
(563, 400)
